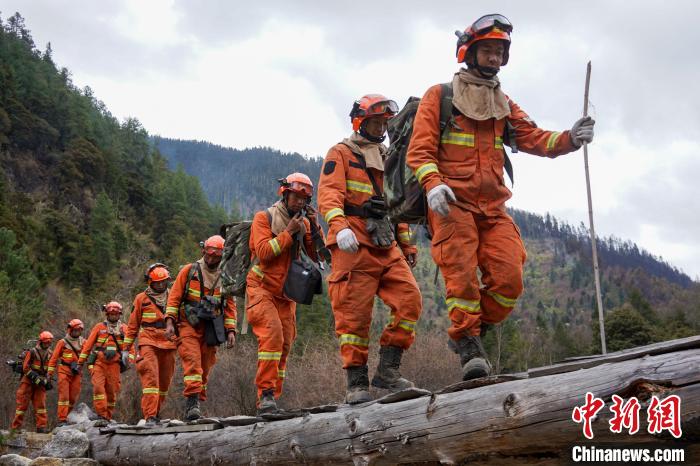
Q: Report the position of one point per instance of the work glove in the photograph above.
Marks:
(125, 359)
(439, 198)
(582, 131)
(380, 231)
(347, 241)
(47, 384)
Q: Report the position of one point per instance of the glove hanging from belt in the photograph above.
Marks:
(381, 232)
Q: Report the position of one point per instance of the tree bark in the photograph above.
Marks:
(523, 421)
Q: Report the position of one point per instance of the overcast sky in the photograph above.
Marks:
(284, 74)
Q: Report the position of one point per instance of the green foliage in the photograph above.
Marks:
(626, 328)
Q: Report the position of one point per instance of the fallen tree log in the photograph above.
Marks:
(522, 421)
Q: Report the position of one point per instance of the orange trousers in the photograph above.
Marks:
(68, 391)
(274, 323)
(34, 394)
(352, 286)
(197, 360)
(462, 241)
(155, 367)
(106, 383)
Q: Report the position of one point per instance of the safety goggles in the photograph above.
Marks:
(213, 251)
(383, 107)
(301, 188)
(488, 22)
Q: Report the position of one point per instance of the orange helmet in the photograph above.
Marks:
(214, 245)
(493, 26)
(76, 324)
(112, 307)
(371, 105)
(157, 272)
(297, 183)
(45, 337)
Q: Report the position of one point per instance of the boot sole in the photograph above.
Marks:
(379, 383)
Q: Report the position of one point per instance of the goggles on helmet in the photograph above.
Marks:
(301, 188)
(488, 22)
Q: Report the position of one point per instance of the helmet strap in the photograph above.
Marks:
(363, 132)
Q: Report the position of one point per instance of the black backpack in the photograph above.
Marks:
(404, 195)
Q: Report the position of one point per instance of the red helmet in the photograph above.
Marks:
(369, 106)
(157, 272)
(214, 245)
(112, 307)
(45, 337)
(297, 183)
(493, 26)
(76, 324)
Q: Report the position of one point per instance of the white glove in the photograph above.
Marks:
(439, 197)
(582, 131)
(347, 241)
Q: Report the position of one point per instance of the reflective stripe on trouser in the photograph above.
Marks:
(197, 360)
(352, 286)
(273, 321)
(155, 367)
(68, 391)
(461, 242)
(105, 387)
(29, 393)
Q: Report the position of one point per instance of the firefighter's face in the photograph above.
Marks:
(159, 286)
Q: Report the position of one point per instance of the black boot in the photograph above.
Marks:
(267, 403)
(388, 375)
(192, 412)
(472, 356)
(358, 385)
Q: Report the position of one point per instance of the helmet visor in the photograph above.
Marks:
(212, 251)
(488, 22)
(301, 188)
(383, 107)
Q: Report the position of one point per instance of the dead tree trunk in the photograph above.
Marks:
(511, 420)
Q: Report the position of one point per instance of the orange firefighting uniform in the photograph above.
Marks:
(468, 156)
(271, 315)
(68, 383)
(357, 278)
(155, 358)
(197, 358)
(105, 372)
(28, 392)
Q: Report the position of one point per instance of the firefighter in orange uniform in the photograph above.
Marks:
(366, 260)
(270, 313)
(460, 165)
(102, 353)
(35, 382)
(155, 358)
(197, 291)
(66, 355)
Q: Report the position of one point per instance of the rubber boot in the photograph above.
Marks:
(152, 421)
(388, 375)
(485, 328)
(358, 385)
(192, 412)
(267, 403)
(472, 356)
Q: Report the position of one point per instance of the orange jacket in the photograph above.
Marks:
(344, 181)
(468, 156)
(100, 340)
(64, 354)
(274, 254)
(178, 296)
(147, 320)
(40, 364)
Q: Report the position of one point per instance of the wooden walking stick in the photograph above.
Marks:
(596, 271)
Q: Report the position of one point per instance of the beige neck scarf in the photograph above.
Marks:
(477, 98)
(210, 276)
(76, 342)
(280, 218)
(160, 299)
(373, 152)
(113, 328)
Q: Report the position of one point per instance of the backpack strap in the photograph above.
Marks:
(361, 160)
(76, 352)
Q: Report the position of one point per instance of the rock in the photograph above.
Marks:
(46, 461)
(14, 460)
(81, 414)
(80, 462)
(67, 443)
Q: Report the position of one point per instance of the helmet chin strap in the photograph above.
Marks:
(487, 72)
(363, 132)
